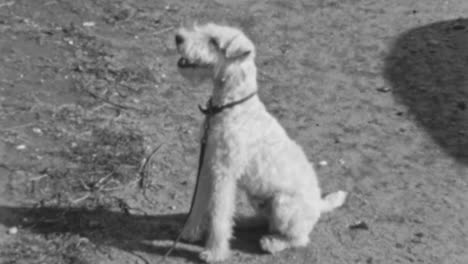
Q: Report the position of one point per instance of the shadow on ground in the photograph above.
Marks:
(108, 228)
(428, 70)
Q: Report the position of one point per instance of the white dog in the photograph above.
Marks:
(247, 148)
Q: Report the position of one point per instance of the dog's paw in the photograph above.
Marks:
(273, 244)
(192, 234)
(214, 255)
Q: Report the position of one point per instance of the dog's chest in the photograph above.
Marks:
(226, 127)
(226, 141)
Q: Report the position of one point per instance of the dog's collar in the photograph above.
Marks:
(215, 109)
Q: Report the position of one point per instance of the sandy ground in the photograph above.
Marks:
(89, 89)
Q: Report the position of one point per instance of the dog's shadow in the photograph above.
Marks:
(427, 68)
(132, 233)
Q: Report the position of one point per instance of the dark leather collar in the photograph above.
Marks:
(216, 109)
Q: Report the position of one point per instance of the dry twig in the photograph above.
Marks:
(142, 170)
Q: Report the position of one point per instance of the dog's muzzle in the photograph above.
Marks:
(185, 63)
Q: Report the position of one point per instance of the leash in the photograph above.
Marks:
(209, 112)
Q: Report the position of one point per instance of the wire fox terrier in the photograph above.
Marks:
(247, 148)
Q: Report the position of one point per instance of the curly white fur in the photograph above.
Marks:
(246, 148)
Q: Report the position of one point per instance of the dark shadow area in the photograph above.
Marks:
(428, 70)
(108, 228)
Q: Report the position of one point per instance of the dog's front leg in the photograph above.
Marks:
(194, 228)
(221, 212)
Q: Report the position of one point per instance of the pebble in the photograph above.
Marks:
(323, 163)
(13, 230)
(359, 225)
(21, 147)
(37, 130)
(89, 24)
(172, 207)
(383, 89)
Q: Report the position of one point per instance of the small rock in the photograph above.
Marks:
(359, 225)
(341, 161)
(89, 24)
(74, 145)
(172, 207)
(13, 230)
(37, 130)
(21, 147)
(383, 89)
(323, 163)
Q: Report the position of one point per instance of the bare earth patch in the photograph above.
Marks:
(98, 132)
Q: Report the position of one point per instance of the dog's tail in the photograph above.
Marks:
(333, 200)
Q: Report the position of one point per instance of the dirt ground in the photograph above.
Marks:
(89, 92)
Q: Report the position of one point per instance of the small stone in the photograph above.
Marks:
(383, 89)
(37, 130)
(89, 24)
(21, 147)
(341, 161)
(359, 225)
(74, 145)
(172, 207)
(13, 230)
(323, 163)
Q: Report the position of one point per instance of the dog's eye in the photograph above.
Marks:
(214, 42)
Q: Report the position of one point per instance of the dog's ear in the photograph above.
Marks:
(238, 47)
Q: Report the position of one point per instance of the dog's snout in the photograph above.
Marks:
(179, 39)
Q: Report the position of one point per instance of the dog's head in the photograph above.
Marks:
(206, 50)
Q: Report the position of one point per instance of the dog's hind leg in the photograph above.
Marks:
(291, 222)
